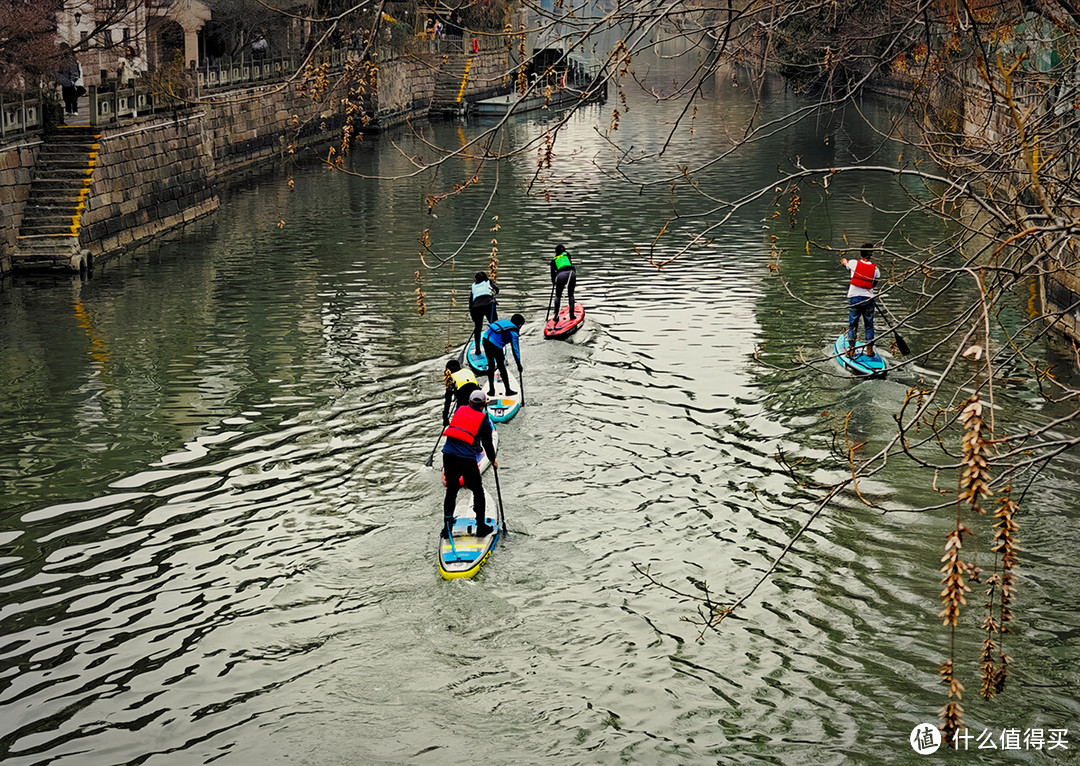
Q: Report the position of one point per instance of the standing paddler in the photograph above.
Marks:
(470, 430)
(460, 383)
(500, 333)
(482, 304)
(563, 275)
(861, 298)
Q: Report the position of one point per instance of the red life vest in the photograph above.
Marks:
(465, 425)
(863, 276)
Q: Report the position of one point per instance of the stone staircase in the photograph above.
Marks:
(49, 235)
(450, 84)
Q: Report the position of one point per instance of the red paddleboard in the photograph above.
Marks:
(562, 325)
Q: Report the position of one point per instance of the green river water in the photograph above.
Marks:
(218, 531)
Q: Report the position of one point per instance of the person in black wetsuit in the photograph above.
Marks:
(459, 384)
(469, 428)
(482, 304)
(563, 275)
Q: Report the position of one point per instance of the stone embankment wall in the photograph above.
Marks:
(16, 166)
(405, 87)
(158, 171)
(149, 177)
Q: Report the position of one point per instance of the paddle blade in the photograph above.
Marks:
(902, 344)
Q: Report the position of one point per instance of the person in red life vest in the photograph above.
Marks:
(498, 334)
(864, 274)
(563, 274)
(482, 304)
(470, 430)
(459, 384)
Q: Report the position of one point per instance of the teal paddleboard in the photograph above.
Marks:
(475, 359)
(860, 364)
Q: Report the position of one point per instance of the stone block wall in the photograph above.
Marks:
(405, 88)
(149, 178)
(491, 73)
(16, 167)
(248, 131)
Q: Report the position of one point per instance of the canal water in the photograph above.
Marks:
(218, 528)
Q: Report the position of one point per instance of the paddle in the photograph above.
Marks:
(551, 300)
(900, 342)
(431, 457)
(498, 493)
(521, 384)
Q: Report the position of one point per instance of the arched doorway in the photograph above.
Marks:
(166, 42)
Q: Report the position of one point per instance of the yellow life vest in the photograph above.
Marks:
(463, 376)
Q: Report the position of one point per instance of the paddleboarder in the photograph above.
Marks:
(482, 303)
(864, 274)
(499, 333)
(563, 275)
(470, 430)
(459, 384)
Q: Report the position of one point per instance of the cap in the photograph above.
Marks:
(477, 397)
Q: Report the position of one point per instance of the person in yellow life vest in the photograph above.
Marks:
(864, 274)
(563, 274)
(482, 306)
(470, 430)
(459, 384)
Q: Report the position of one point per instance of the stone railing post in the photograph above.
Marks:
(92, 95)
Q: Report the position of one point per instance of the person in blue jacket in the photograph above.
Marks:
(500, 333)
(482, 304)
(469, 430)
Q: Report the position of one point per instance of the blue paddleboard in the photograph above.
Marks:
(474, 359)
(861, 364)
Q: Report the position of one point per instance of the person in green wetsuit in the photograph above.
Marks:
(563, 275)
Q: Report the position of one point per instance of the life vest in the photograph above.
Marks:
(498, 332)
(465, 425)
(462, 378)
(562, 261)
(481, 288)
(863, 276)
